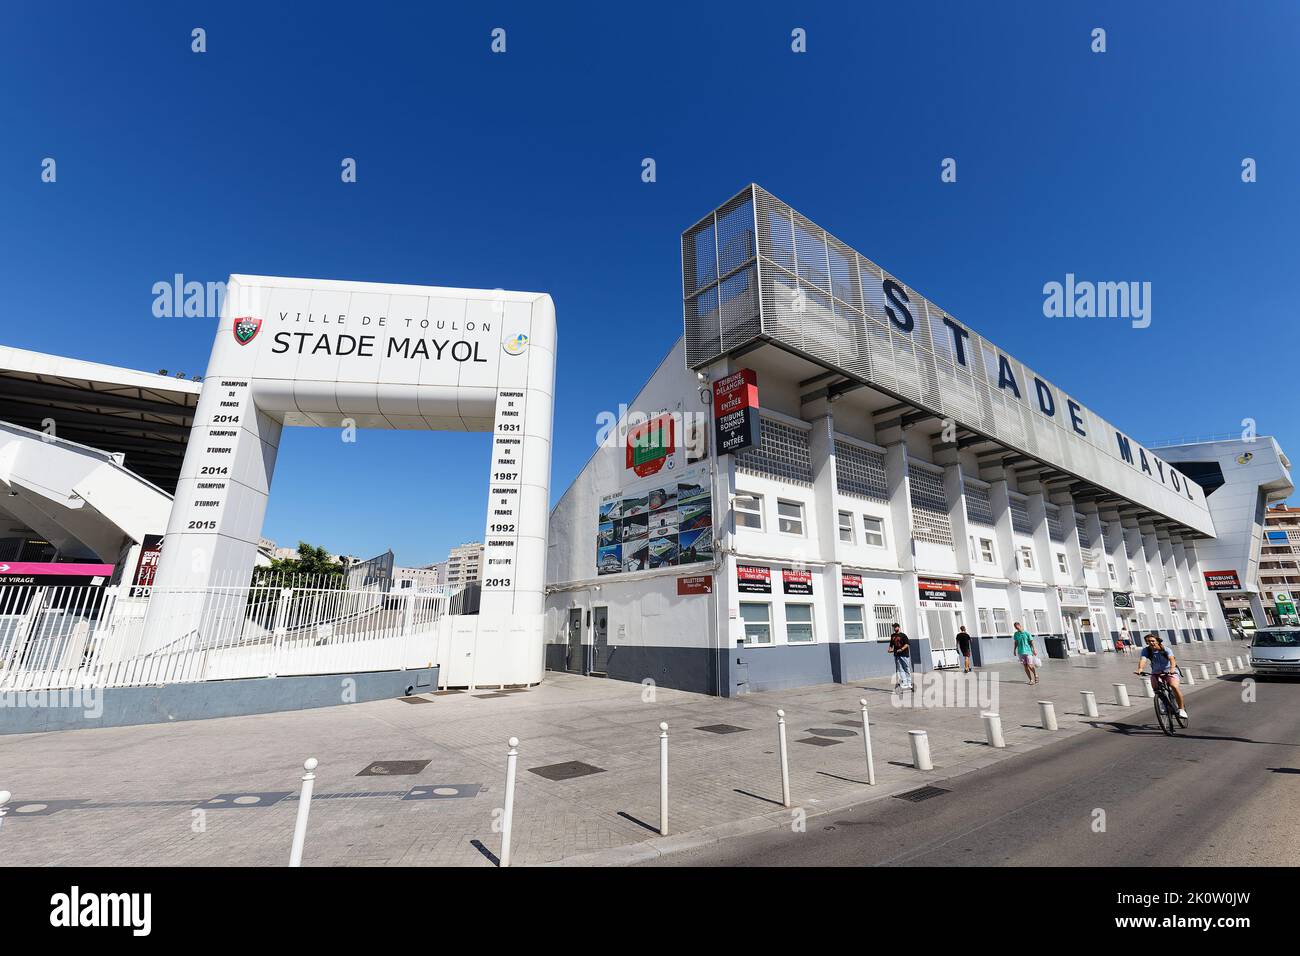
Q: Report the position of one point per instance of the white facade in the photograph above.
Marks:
(325, 353)
(872, 499)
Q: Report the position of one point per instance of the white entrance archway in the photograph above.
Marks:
(331, 354)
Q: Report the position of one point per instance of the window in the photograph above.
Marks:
(986, 551)
(1110, 569)
(1027, 558)
(1000, 621)
(984, 625)
(749, 511)
(758, 623)
(873, 531)
(846, 527)
(1160, 620)
(1150, 583)
(1062, 563)
(1040, 621)
(854, 624)
(789, 517)
(886, 618)
(798, 624)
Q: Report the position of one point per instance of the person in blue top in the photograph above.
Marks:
(1163, 667)
(1025, 651)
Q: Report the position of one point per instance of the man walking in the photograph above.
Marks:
(963, 645)
(902, 652)
(1026, 652)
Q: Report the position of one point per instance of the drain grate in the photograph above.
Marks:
(491, 696)
(443, 791)
(818, 741)
(394, 768)
(415, 700)
(566, 771)
(832, 732)
(845, 712)
(243, 801)
(922, 793)
(722, 729)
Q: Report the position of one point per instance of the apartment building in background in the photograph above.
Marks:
(465, 564)
(1279, 563)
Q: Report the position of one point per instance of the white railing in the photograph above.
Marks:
(57, 637)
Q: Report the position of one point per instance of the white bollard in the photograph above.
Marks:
(993, 730)
(663, 779)
(304, 808)
(1218, 669)
(866, 742)
(1148, 688)
(1191, 681)
(4, 799)
(1047, 714)
(1089, 703)
(920, 749)
(785, 764)
(1121, 695)
(1205, 672)
(507, 817)
(1240, 665)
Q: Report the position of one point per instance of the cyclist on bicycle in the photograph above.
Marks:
(1163, 667)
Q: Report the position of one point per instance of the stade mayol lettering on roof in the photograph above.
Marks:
(755, 270)
(1043, 393)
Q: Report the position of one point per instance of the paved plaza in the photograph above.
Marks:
(420, 781)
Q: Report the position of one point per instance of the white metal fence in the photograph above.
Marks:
(57, 637)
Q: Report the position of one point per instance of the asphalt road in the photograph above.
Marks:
(1225, 791)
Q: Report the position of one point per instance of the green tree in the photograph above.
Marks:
(312, 561)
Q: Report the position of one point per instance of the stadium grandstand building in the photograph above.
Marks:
(825, 453)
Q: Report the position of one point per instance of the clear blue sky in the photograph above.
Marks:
(522, 171)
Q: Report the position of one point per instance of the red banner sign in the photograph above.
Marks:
(933, 590)
(796, 582)
(695, 584)
(1222, 581)
(753, 579)
(735, 411)
(851, 585)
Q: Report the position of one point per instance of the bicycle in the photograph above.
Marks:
(1166, 707)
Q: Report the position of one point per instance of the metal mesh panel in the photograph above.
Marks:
(699, 258)
(979, 506)
(775, 231)
(1020, 516)
(1055, 530)
(735, 235)
(929, 506)
(782, 453)
(860, 472)
(740, 318)
(810, 254)
(703, 328)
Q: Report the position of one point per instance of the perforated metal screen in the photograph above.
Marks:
(929, 506)
(979, 507)
(782, 453)
(1020, 516)
(860, 472)
(755, 269)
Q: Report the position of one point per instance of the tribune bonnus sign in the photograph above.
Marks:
(350, 355)
(735, 412)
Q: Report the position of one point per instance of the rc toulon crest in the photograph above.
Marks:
(246, 329)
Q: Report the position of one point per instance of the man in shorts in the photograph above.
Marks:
(1025, 652)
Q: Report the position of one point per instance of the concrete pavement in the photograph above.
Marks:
(223, 792)
(1223, 792)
